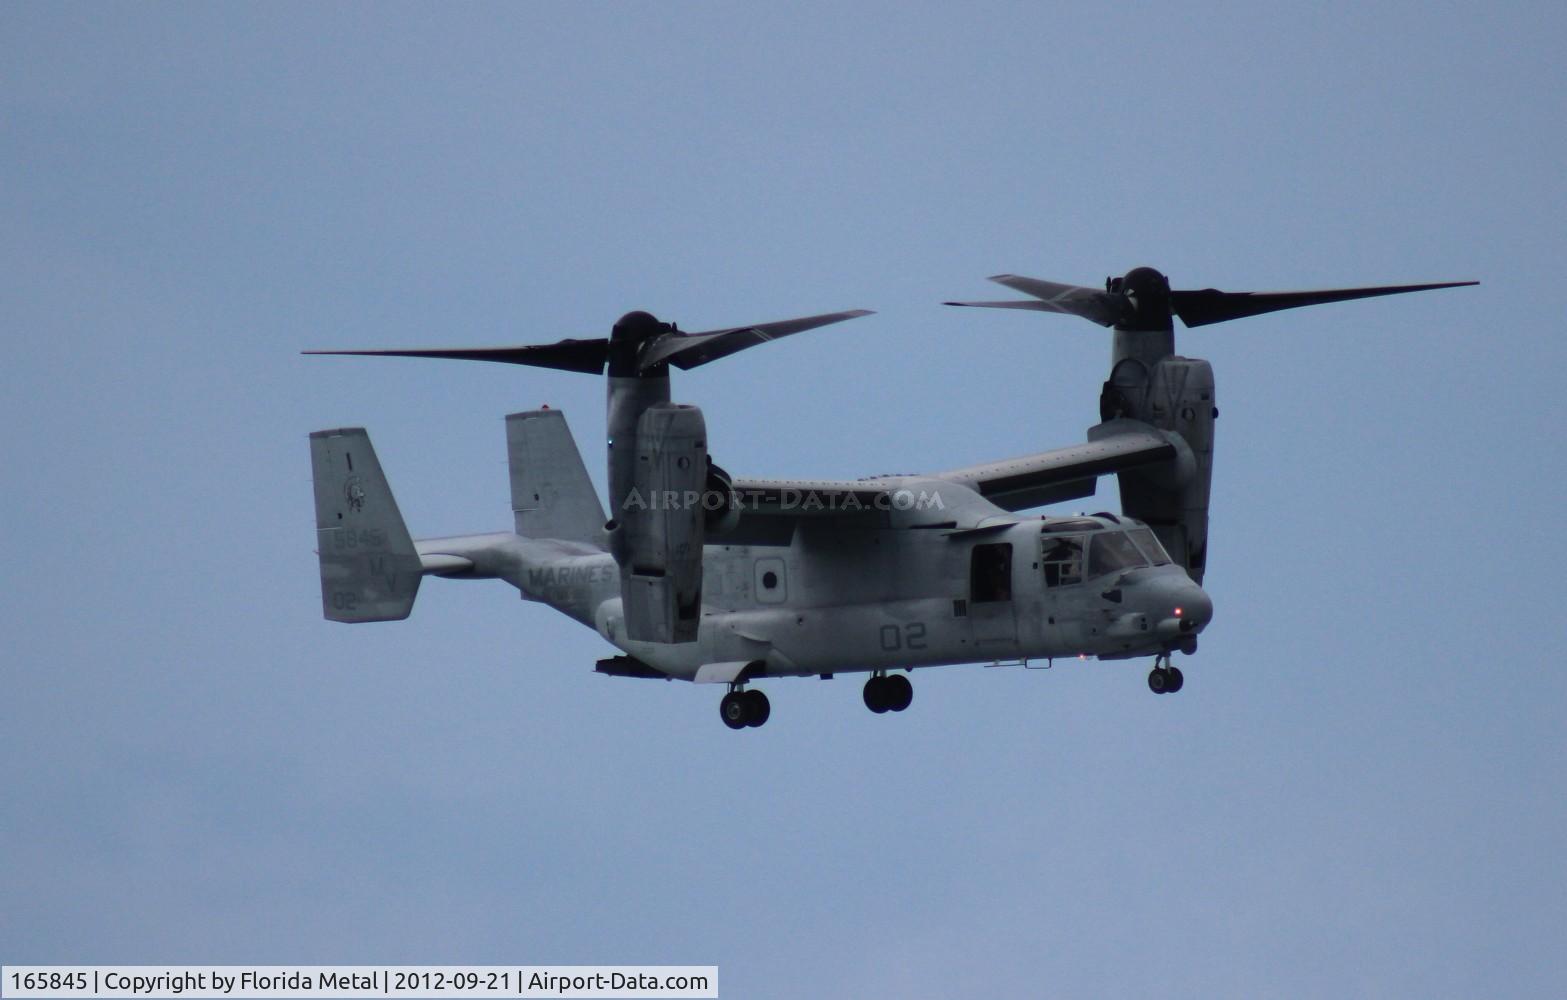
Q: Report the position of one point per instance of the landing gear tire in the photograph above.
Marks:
(740, 709)
(899, 692)
(1165, 680)
(888, 693)
(757, 708)
(876, 695)
(733, 710)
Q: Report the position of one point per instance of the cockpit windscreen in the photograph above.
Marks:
(1146, 541)
(1111, 552)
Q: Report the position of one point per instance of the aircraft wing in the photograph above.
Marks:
(1011, 484)
(1065, 473)
(806, 497)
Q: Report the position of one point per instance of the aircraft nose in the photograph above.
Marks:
(1194, 608)
(1182, 608)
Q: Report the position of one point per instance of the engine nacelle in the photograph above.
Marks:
(662, 525)
(1175, 395)
(720, 503)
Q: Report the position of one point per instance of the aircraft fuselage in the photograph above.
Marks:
(842, 597)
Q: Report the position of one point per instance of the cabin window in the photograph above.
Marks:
(990, 575)
(1062, 560)
(771, 583)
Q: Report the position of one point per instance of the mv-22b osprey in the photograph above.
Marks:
(701, 577)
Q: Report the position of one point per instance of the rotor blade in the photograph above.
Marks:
(1090, 303)
(1209, 305)
(567, 355)
(688, 350)
(1033, 305)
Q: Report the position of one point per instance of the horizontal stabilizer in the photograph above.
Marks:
(442, 564)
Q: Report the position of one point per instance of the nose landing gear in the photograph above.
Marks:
(1165, 679)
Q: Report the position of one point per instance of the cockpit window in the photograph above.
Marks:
(1111, 552)
(1062, 560)
(1150, 545)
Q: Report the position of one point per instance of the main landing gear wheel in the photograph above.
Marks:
(757, 708)
(732, 708)
(900, 693)
(876, 695)
(740, 709)
(888, 693)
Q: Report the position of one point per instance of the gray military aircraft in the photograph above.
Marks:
(702, 577)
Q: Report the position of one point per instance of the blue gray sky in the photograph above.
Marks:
(1359, 791)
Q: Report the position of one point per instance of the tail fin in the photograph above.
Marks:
(551, 494)
(369, 569)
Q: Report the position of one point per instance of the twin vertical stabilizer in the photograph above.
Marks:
(369, 569)
(371, 566)
(551, 494)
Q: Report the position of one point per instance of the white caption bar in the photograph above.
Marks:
(351, 982)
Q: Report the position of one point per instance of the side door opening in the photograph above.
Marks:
(991, 610)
